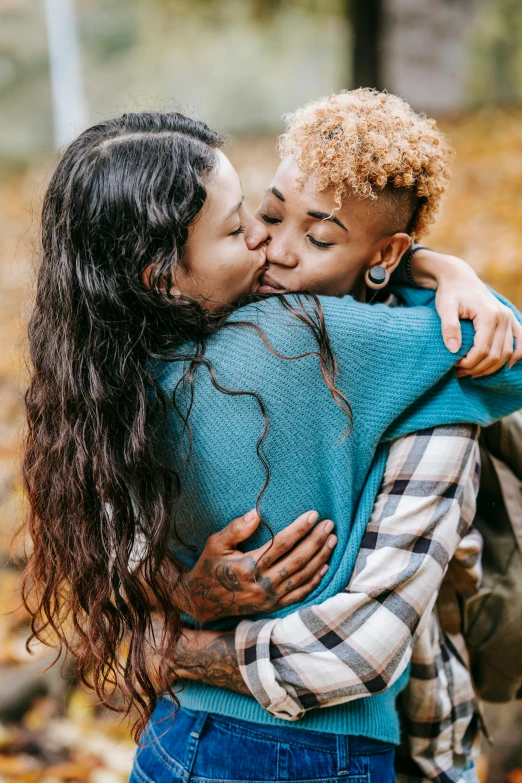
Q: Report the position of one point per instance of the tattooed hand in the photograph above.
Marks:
(226, 581)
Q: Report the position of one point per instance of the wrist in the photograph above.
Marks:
(421, 268)
(431, 270)
(182, 598)
(192, 641)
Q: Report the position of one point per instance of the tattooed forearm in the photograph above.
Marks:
(216, 663)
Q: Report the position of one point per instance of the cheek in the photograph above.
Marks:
(332, 273)
(328, 265)
(235, 264)
(342, 264)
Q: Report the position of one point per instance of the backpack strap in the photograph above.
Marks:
(511, 489)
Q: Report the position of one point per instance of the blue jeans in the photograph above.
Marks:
(201, 747)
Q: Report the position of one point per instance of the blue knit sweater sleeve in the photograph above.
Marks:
(394, 368)
(482, 400)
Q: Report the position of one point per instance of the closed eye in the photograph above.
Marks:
(319, 244)
(240, 230)
(271, 220)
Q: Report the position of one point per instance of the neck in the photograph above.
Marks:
(360, 291)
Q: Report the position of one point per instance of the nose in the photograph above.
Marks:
(280, 252)
(255, 233)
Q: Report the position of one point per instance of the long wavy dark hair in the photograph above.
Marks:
(121, 200)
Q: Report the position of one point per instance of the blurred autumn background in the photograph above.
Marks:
(238, 64)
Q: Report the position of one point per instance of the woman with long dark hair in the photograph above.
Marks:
(151, 393)
(116, 219)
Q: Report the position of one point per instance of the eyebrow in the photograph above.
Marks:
(277, 193)
(325, 216)
(234, 210)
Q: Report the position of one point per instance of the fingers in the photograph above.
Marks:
(298, 593)
(499, 352)
(315, 544)
(516, 328)
(237, 530)
(307, 573)
(486, 331)
(285, 540)
(448, 311)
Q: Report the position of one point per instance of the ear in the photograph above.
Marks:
(146, 281)
(146, 274)
(392, 250)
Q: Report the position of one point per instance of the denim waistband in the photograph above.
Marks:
(355, 745)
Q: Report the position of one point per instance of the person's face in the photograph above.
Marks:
(315, 246)
(225, 254)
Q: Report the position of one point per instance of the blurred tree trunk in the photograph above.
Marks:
(366, 18)
(69, 99)
(265, 9)
(425, 52)
(500, 43)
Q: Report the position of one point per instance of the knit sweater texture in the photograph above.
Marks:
(397, 376)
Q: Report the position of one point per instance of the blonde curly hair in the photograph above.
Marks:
(373, 144)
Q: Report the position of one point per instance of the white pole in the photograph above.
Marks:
(68, 94)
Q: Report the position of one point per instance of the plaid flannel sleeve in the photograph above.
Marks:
(360, 641)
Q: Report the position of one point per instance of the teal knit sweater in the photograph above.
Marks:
(396, 374)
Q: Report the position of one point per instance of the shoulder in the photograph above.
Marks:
(364, 338)
(279, 313)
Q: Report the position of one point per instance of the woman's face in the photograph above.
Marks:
(312, 244)
(225, 254)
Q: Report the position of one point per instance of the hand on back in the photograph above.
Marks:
(226, 581)
(461, 294)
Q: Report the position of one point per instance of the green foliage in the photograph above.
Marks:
(496, 53)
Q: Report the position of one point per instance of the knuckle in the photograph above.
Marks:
(212, 541)
(301, 578)
(247, 574)
(451, 326)
(282, 546)
(321, 538)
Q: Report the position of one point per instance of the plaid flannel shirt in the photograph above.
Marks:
(360, 641)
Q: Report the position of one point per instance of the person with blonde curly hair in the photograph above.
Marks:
(374, 146)
(361, 175)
